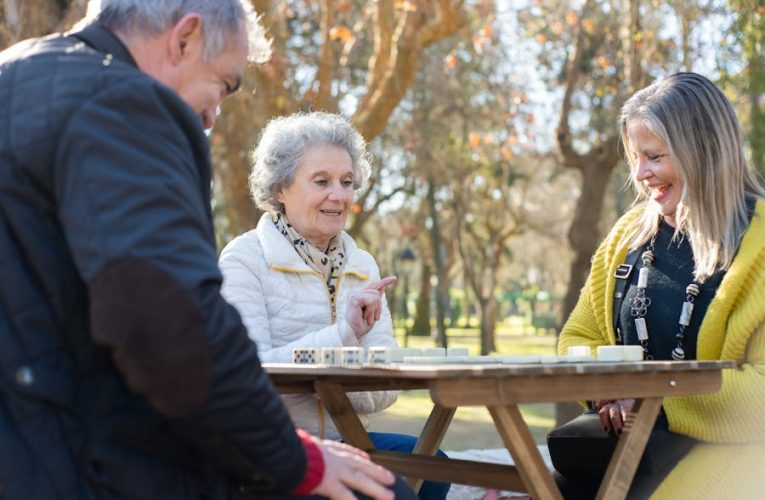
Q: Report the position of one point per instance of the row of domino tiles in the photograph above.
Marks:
(454, 355)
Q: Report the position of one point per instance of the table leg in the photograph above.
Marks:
(528, 461)
(629, 450)
(345, 418)
(431, 436)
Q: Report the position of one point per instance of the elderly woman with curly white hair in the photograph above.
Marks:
(297, 279)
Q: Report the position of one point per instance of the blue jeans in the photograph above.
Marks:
(430, 490)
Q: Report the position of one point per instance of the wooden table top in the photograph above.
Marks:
(429, 372)
(528, 383)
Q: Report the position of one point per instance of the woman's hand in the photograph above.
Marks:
(347, 468)
(613, 414)
(365, 306)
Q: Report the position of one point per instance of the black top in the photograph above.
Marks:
(671, 272)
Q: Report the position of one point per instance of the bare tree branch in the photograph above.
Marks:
(325, 73)
(362, 217)
(446, 20)
(351, 44)
(568, 156)
(634, 74)
(390, 83)
(384, 28)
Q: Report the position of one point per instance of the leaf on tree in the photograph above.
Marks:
(341, 33)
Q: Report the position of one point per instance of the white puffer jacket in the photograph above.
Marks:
(285, 304)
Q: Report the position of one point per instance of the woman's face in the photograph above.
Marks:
(654, 170)
(321, 194)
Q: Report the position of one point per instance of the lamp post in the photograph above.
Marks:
(406, 259)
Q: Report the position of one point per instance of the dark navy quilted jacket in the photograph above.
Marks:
(123, 373)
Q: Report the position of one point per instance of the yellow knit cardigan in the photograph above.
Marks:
(730, 463)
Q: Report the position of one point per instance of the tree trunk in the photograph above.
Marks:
(488, 311)
(22, 19)
(466, 305)
(442, 287)
(584, 234)
(491, 327)
(421, 324)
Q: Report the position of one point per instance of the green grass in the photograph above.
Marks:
(508, 341)
(472, 427)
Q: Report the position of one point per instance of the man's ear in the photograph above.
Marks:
(185, 37)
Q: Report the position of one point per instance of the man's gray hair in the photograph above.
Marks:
(221, 20)
(284, 141)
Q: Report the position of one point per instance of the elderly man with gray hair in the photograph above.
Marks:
(125, 374)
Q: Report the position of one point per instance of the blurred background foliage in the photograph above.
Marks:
(492, 123)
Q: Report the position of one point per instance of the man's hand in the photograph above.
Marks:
(347, 468)
(365, 306)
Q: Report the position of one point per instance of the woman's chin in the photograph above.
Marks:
(666, 207)
(332, 229)
(668, 216)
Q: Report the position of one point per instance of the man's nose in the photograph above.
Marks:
(208, 118)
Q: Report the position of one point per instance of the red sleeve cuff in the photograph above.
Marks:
(314, 471)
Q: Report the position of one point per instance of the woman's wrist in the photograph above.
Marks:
(347, 334)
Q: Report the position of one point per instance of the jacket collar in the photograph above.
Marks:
(101, 39)
(280, 254)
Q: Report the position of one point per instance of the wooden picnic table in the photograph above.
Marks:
(501, 388)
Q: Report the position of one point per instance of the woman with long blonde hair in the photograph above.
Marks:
(683, 275)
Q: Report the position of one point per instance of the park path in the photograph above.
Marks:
(495, 455)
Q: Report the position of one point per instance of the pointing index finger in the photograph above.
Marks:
(380, 285)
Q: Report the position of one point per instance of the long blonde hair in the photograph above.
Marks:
(696, 122)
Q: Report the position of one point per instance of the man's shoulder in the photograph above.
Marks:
(68, 69)
(59, 70)
(57, 50)
(30, 48)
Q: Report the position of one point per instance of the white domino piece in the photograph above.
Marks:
(397, 355)
(352, 355)
(306, 355)
(331, 355)
(378, 355)
(579, 350)
(610, 353)
(632, 352)
(457, 351)
(434, 351)
(520, 360)
(579, 354)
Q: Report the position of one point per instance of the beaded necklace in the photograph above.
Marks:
(639, 305)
